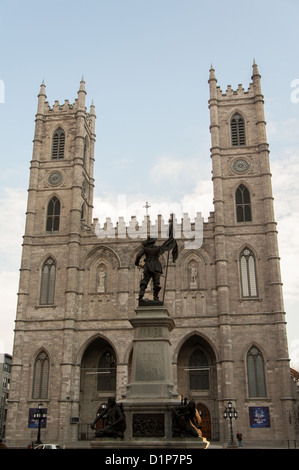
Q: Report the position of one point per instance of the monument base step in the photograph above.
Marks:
(149, 443)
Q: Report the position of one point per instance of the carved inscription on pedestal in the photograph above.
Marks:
(146, 425)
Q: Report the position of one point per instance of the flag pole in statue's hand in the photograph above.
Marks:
(170, 242)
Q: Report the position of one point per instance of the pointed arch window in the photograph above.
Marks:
(248, 274)
(58, 144)
(48, 277)
(199, 371)
(53, 215)
(82, 211)
(107, 372)
(243, 204)
(41, 376)
(237, 126)
(256, 373)
(85, 150)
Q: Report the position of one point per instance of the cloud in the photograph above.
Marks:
(9, 287)
(294, 354)
(176, 171)
(123, 162)
(12, 223)
(12, 219)
(200, 199)
(285, 179)
(283, 133)
(167, 169)
(286, 204)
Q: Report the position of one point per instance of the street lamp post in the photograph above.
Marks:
(230, 412)
(39, 415)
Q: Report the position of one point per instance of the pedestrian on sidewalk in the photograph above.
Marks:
(239, 438)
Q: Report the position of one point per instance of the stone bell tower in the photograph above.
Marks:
(248, 280)
(59, 213)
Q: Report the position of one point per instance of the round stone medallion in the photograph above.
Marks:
(55, 178)
(241, 165)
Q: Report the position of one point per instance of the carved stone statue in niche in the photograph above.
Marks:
(101, 278)
(193, 275)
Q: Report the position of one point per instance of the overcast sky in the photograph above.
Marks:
(146, 66)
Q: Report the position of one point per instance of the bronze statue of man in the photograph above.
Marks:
(186, 421)
(115, 421)
(152, 268)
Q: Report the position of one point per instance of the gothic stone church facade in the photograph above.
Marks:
(73, 339)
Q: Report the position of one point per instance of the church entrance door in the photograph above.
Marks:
(205, 420)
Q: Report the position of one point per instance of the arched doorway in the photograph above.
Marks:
(98, 382)
(197, 380)
(205, 420)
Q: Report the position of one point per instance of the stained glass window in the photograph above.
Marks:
(41, 376)
(248, 274)
(243, 205)
(237, 130)
(256, 375)
(48, 282)
(58, 145)
(199, 371)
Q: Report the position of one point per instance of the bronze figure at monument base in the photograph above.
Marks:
(114, 421)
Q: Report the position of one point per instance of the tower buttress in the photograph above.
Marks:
(221, 261)
(60, 194)
(244, 211)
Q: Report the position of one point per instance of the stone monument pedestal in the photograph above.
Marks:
(151, 397)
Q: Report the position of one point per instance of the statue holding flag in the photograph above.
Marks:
(152, 268)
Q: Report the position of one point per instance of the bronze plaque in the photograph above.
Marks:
(148, 425)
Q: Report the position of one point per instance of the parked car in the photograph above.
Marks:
(47, 446)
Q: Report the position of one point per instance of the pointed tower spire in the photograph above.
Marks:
(256, 78)
(212, 75)
(92, 107)
(259, 104)
(81, 94)
(255, 70)
(92, 115)
(213, 108)
(213, 83)
(82, 83)
(41, 98)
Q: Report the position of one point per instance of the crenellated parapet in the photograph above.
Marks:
(189, 230)
(240, 92)
(252, 91)
(62, 110)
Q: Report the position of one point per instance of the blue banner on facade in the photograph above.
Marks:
(32, 422)
(259, 417)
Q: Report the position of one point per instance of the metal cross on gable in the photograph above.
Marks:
(147, 206)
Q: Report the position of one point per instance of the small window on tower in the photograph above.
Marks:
(53, 215)
(47, 286)
(237, 130)
(248, 274)
(243, 204)
(58, 145)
